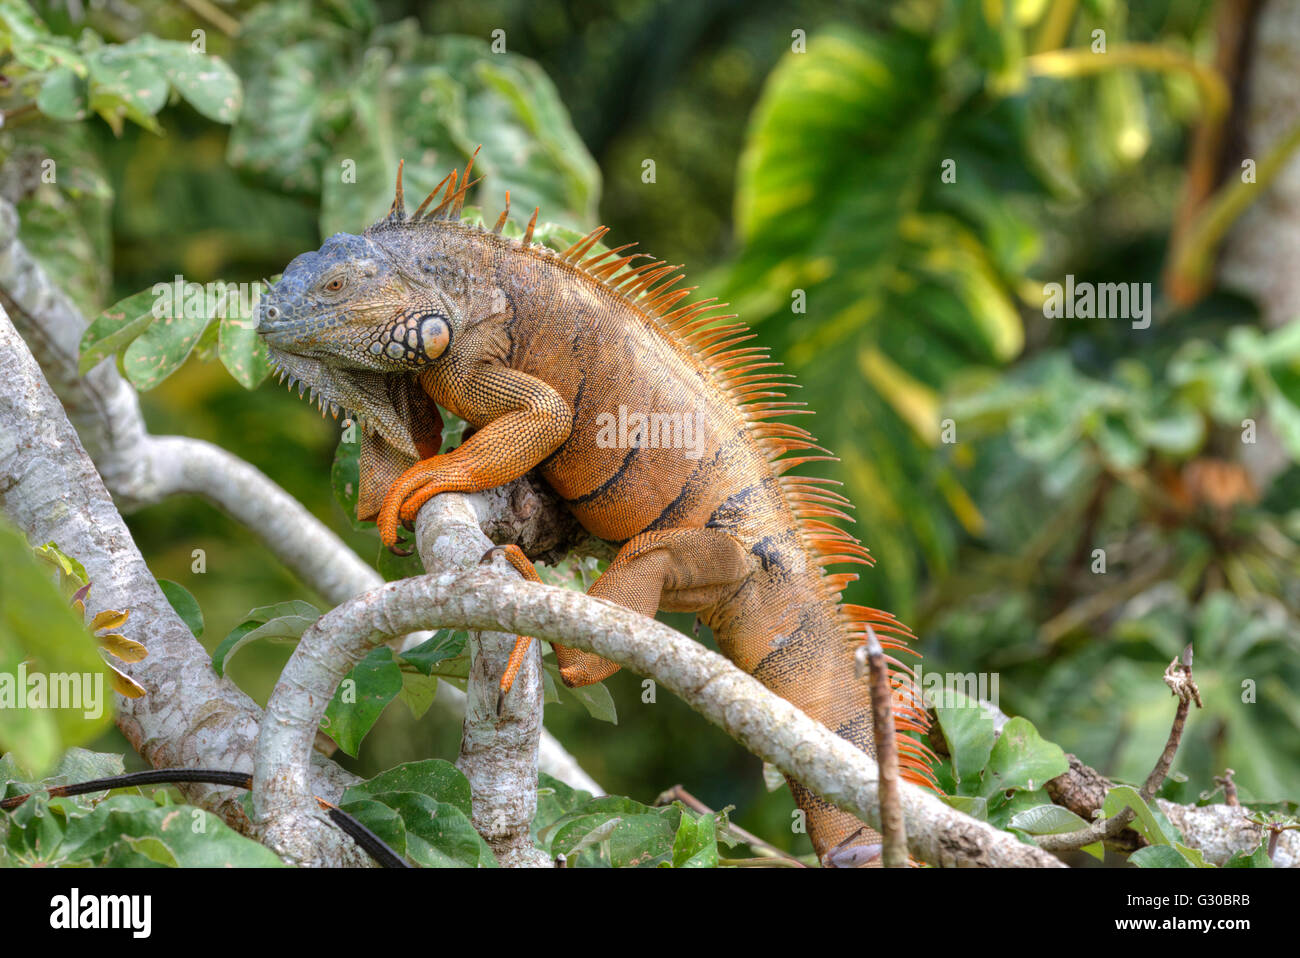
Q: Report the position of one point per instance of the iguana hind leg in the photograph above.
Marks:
(573, 662)
(671, 568)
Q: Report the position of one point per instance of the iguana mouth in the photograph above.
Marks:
(371, 398)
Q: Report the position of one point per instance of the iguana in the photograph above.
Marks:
(578, 364)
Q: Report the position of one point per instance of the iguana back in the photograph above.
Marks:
(653, 421)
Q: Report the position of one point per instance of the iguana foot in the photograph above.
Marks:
(411, 507)
(397, 550)
(430, 474)
(515, 556)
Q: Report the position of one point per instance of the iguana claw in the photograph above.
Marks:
(395, 550)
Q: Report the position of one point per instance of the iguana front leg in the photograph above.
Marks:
(524, 421)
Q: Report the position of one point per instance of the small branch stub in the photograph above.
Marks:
(871, 659)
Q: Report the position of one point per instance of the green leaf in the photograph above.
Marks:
(595, 698)
(380, 819)
(29, 40)
(206, 82)
(21, 23)
(696, 842)
(418, 692)
(63, 95)
(164, 346)
(282, 622)
(635, 835)
(116, 327)
(124, 85)
(361, 698)
(976, 806)
(1256, 859)
(1177, 432)
(438, 834)
(1047, 820)
(1119, 447)
(240, 349)
(1193, 855)
(48, 658)
(1022, 759)
(968, 730)
(1149, 823)
(439, 647)
(189, 837)
(184, 604)
(438, 779)
(1159, 856)
(555, 800)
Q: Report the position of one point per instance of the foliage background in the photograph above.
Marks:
(778, 171)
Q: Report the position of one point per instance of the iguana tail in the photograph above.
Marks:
(804, 652)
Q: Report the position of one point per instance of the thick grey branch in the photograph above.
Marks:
(483, 599)
(498, 751)
(49, 488)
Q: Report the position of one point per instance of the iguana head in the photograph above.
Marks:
(356, 321)
(346, 324)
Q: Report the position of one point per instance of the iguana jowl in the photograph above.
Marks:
(549, 356)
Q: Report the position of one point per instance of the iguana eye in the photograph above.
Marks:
(435, 335)
(335, 284)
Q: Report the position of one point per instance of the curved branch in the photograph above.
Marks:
(481, 598)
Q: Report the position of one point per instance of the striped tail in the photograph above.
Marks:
(806, 656)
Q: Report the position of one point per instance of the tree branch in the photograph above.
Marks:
(49, 488)
(1217, 831)
(498, 750)
(872, 668)
(1179, 679)
(481, 598)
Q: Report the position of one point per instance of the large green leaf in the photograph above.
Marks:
(54, 688)
(422, 809)
(842, 208)
(1022, 759)
(282, 622)
(361, 698)
(206, 82)
(968, 730)
(435, 777)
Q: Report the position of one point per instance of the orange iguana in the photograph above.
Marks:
(578, 364)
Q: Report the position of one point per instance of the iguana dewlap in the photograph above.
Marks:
(650, 419)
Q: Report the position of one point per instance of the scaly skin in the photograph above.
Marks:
(542, 353)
